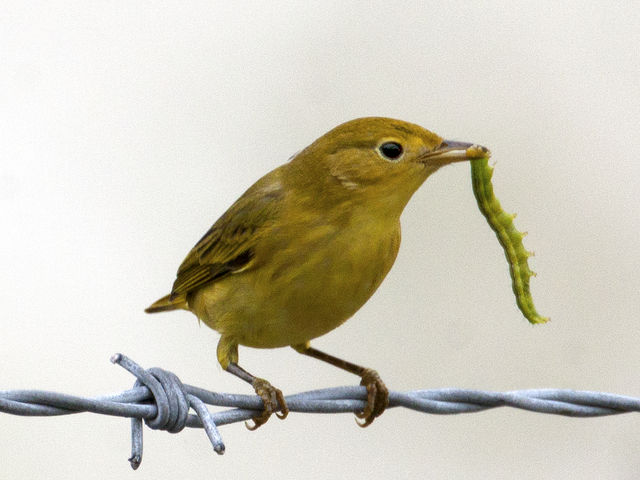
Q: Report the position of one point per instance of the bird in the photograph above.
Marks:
(307, 245)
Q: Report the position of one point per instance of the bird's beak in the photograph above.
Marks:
(451, 151)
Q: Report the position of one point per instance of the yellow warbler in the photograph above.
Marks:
(307, 245)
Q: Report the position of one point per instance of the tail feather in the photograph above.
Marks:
(167, 303)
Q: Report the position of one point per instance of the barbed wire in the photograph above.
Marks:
(163, 402)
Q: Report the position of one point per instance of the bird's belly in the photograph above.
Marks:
(298, 295)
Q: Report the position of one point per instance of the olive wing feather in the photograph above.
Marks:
(228, 245)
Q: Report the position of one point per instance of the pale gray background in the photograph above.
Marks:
(127, 128)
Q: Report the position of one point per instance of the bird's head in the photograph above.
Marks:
(381, 161)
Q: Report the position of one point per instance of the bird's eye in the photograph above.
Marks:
(391, 150)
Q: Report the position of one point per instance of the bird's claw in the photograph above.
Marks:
(377, 397)
(273, 400)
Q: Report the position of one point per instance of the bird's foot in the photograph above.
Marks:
(377, 397)
(273, 401)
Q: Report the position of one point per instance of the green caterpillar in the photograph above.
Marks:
(510, 238)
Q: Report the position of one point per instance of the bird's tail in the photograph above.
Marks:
(167, 303)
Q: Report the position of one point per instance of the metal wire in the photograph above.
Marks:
(163, 402)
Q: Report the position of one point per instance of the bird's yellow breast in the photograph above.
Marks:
(306, 279)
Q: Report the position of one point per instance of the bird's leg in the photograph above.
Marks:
(377, 393)
(271, 397)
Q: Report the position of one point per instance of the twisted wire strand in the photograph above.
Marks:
(162, 401)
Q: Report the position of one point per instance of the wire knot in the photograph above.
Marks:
(171, 399)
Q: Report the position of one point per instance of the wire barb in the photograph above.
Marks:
(172, 401)
(163, 402)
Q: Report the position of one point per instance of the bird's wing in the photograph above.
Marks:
(229, 244)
